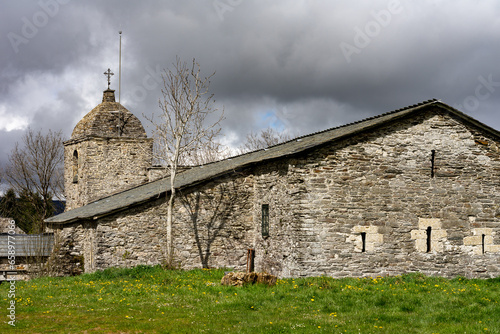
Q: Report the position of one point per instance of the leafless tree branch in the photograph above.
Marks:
(36, 166)
(267, 137)
(187, 128)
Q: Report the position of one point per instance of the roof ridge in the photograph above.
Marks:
(430, 101)
(433, 100)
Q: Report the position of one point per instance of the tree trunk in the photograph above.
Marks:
(169, 251)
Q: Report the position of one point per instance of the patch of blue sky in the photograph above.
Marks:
(268, 119)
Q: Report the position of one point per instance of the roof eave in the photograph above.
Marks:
(470, 120)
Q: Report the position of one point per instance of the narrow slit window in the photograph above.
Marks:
(482, 241)
(265, 220)
(429, 229)
(433, 162)
(75, 166)
(363, 242)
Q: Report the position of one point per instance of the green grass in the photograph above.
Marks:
(152, 300)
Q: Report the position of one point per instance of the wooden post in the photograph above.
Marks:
(250, 260)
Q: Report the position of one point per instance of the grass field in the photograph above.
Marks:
(152, 300)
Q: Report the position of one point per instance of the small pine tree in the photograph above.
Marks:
(28, 210)
(8, 204)
(9, 208)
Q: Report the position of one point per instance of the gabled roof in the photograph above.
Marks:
(196, 175)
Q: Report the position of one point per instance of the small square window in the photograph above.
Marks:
(265, 220)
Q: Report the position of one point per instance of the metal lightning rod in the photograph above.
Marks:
(120, 114)
(120, 71)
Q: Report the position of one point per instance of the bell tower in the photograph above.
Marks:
(108, 152)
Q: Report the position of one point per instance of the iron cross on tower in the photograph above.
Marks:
(109, 74)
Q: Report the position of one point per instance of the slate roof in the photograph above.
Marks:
(196, 175)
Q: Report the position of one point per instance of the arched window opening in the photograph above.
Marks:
(429, 239)
(75, 166)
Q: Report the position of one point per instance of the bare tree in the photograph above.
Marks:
(36, 167)
(267, 137)
(186, 130)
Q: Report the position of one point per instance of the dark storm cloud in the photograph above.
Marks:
(297, 65)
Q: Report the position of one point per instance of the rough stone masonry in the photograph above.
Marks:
(414, 190)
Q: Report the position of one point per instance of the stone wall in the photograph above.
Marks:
(105, 166)
(381, 183)
(361, 206)
(69, 249)
(212, 228)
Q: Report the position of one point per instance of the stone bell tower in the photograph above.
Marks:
(108, 152)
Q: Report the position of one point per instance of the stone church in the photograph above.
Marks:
(412, 190)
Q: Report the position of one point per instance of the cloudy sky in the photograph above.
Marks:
(299, 66)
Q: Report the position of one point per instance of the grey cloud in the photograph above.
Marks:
(281, 59)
